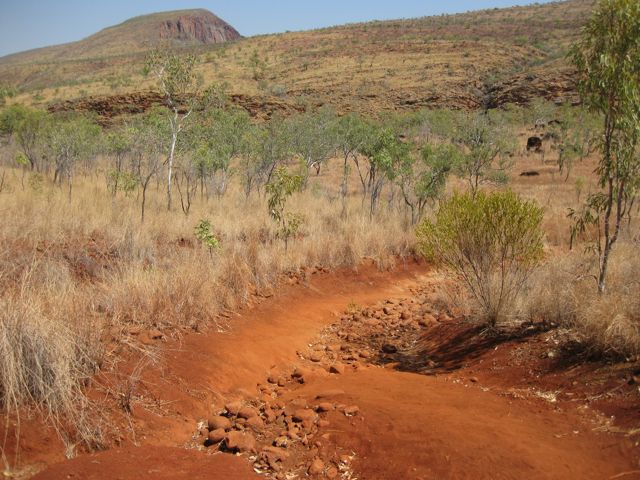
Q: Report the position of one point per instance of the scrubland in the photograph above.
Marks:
(85, 277)
(82, 277)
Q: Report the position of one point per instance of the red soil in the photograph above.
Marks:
(409, 425)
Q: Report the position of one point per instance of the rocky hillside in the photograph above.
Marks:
(138, 34)
(471, 60)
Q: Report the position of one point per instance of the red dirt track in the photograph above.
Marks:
(409, 425)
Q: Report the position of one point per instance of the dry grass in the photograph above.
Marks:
(370, 67)
(564, 293)
(77, 274)
(48, 352)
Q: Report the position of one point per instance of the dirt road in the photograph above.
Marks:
(360, 416)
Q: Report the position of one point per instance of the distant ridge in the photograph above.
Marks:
(480, 59)
(178, 28)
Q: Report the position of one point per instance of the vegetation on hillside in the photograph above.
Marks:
(466, 60)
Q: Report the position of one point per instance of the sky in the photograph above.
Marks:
(27, 24)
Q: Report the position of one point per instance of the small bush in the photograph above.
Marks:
(492, 242)
(204, 233)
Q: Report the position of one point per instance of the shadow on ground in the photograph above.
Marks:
(451, 346)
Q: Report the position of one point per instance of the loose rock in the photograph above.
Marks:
(304, 415)
(216, 436)
(325, 407)
(255, 423)
(218, 422)
(337, 368)
(316, 467)
(242, 442)
(233, 407)
(247, 413)
(351, 410)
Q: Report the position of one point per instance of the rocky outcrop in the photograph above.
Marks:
(108, 108)
(557, 86)
(202, 27)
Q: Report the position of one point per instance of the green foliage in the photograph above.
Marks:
(119, 142)
(574, 134)
(313, 137)
(178, 80)
(437, 162)
(486, 145)
(385, 153)
(257, 65)
(606, 58)
(69, 140)
(440, 123)
(539, 113)
(217, 138)
(268, 145)
(21, 159)
(282, 186)
(215, 95)
(204, 233)
(579, 186)
(423, 180)
(6, 92)
(174, 72)
(150, 133)
(492, 242)
(151, 136)
(351, 133)
(28, 127)
(125, 182)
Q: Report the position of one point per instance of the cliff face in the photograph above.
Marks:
(203, 27)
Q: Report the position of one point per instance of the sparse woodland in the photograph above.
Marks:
(172, 219)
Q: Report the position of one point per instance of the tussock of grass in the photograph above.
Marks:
(46, 356)
(564, 293)
(75, 273)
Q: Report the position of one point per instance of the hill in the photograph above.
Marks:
(178, 28)
(489, 57)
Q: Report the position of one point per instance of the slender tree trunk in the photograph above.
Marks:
(174, 139)
(344, 186)
(604, 260)
(144, 200)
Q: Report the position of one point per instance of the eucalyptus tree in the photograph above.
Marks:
(385, 153)
(606, 58)
(179, 83)
(312, 138)
(224, 139)
(27, 126)
(351, 134)
(422, 179)
(70, 140)
(118, 144)
(149, 148)
(268, 146)
(487, 146)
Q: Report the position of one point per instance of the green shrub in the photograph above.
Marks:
(283, 186)
(204, 233)
(492, 242)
